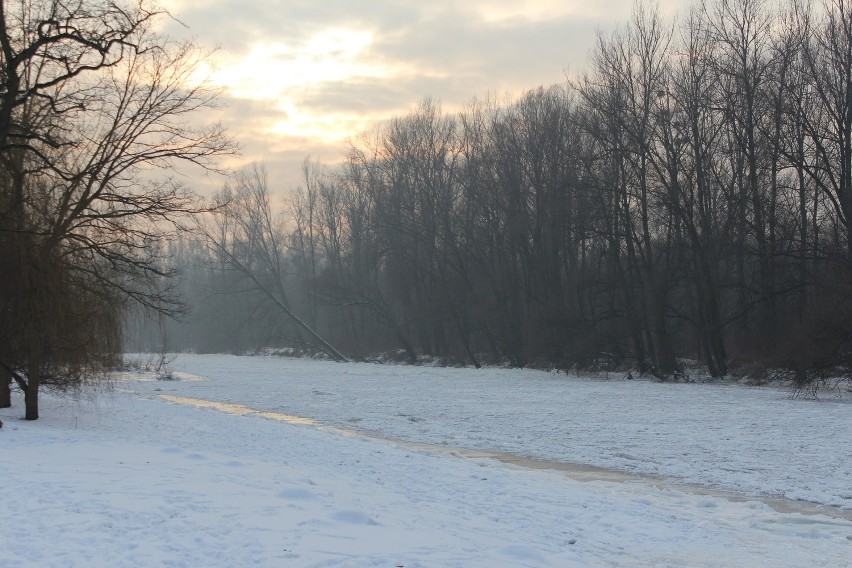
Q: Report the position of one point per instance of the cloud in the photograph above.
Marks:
(301, 76)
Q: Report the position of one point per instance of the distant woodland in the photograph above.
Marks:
(688, 197)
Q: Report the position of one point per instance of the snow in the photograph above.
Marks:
(133, 478)
(751, 440)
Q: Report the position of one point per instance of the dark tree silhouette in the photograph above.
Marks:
(92, 102)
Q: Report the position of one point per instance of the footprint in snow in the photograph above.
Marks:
(523, 553)
(300, 494)
(353, 517)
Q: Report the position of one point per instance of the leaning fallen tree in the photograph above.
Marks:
(246, 237)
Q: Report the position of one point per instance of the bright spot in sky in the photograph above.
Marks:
(306, 86)
(280, 73)
(268, 70)
(328, 127)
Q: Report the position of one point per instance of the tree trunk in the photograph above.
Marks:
(666, 359)
(804, 254)
(31, 399)
(33, 376)
(31, 394)
(716, 353)
(5, 390)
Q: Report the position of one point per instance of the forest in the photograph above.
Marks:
(685, 199)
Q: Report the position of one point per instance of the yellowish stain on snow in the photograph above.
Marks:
(241, 410)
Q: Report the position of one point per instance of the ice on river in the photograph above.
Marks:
(142, 477)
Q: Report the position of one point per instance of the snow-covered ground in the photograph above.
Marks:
(752, 440)
(136, 478)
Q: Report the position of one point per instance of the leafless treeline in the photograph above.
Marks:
(690, 195)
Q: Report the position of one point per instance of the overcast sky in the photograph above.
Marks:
(302, 76)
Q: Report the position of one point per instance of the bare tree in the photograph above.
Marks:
(250, 238)
(827, 59)
(668, 204)
(93, 105)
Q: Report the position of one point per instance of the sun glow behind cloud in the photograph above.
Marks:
(325, 127)
(270, 69)
(281, 74)
(300, 77)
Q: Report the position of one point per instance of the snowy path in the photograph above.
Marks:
(756, 441)
(135, 480)
(576, 472)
